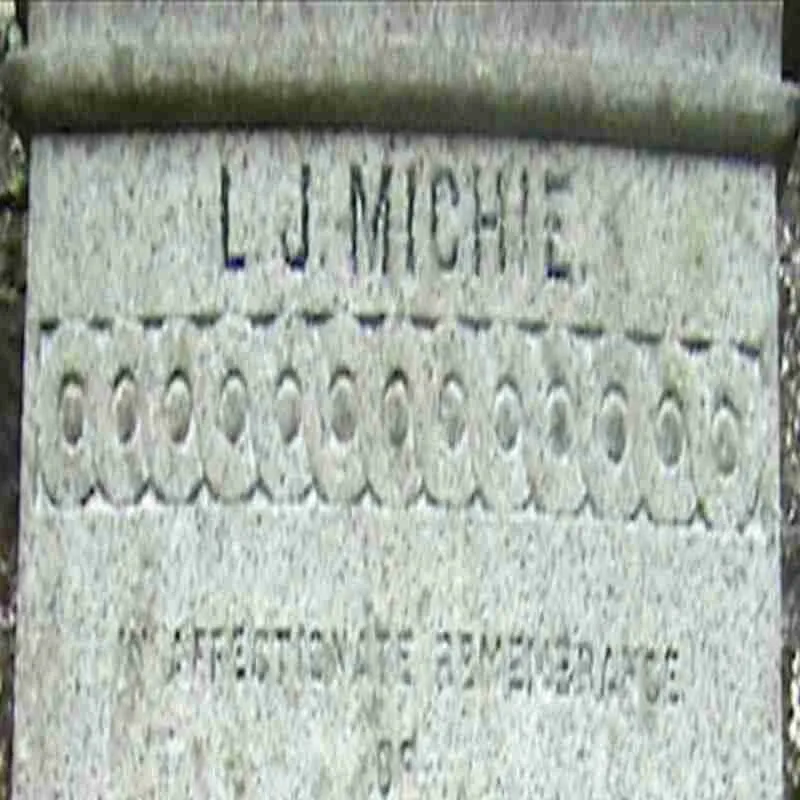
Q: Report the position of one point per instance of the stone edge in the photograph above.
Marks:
(557, 95)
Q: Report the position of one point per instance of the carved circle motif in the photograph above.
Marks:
(452, 402)
(125, 402)
(450, 439)
(670, 435)
(178, 407)
(395, 409)
(288, 406)
(64, 410)
(550, 419)
(175, 461)
(502, 418)
(614, 399)
(119, 398)
(559, 415)
(283, 405)
(227, 368)
(343, 407)
(507, 416)
(559, 423)
(613, 422)
(663, 462)
(71, 404)
(728, 448)
(233, 407)
(336, 439)
(725, 435)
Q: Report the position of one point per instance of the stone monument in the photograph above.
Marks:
(400, 401)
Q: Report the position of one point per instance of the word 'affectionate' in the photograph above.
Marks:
(512, 663)
(500, 416)
(468, 220)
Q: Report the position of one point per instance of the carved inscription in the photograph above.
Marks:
(407, 669)
(475, 220)
(553, 420)
(400, 467)
(517, 663)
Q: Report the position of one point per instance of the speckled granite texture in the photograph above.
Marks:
(363, 465)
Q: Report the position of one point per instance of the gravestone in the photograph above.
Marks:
(362, 462)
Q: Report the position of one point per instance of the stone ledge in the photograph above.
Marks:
(557, 94)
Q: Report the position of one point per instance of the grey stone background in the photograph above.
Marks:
(13, 205)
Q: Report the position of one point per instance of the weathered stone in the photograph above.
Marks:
(544, 69)
(368, 465)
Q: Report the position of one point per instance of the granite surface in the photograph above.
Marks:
(367, 466)
(725, 35)
(245, 456)
(556, 71)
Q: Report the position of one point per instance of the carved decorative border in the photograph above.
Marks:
(401, 412)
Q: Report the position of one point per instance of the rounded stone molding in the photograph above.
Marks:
(663, 451)
(729, 446)
(394, 404)
(283, 406)
(337, 438)
(614, 406)
(66, 414)
(557, 422)
(450, 438)
(172, 378)
(503, 408)
(123, 425)
(228, 364)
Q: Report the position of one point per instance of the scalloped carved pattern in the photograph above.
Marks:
(453, 415)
